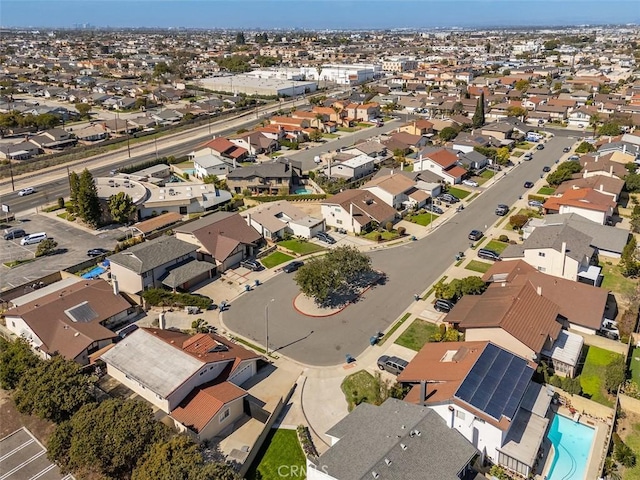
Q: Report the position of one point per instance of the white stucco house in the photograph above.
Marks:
(274, 220)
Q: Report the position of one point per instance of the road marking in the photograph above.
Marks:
(8, 454)
(43, 472)
(23, 464)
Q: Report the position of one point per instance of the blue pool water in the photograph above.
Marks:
(303, 191)
(190, 171)
(571, 446)
(95, 272)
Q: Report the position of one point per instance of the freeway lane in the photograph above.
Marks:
(410, 269)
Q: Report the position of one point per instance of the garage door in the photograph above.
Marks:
(243, 374)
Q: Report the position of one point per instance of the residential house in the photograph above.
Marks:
(485, 393)
(92, 133)
(397, 441)
(583, 307)
(442, 162)
(413, 142)
(182, 198)
(351, 169)
(466, 142)
(356, 211)
(73, 318)
(300, 123)
(473, 160)
(367, 112)
(397, 190)
(223, 239)
(119, 126)
(161, 261)
(256, 143)
(275, 220)
(212, 164)
(608, 241)
(19, 151)
(605, 184)
(557, 113)
(195, 378)
(167, 117)
(418, 127)
(222, 147)
(591, 204)
(55, 139)
(498, 130)
(561, 251)
(270, 178)
(597, 164)
(372, 148)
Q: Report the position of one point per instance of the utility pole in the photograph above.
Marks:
(13, 186)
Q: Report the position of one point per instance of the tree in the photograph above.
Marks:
(160, 69)
(315, 135)
(585, 147)
(502, 155)
(629, 265)
(55, 389)
(632, 182)
(519, 112)
(121, 207)
(107, 439)
(610, 129)
(87, 202)
(615, 374)
(572, 385)
(46, 247)
(522, 85)
(472, 286)
(16, 359)
(478, 115)
(74, 189)
(83, 109)
(180, 458)
(594, 119)
(631, 167)
(518, 221)
(240, 40)
(563, 173)
(448, 133)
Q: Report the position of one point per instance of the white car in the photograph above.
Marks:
(26, 191)
(470, 183)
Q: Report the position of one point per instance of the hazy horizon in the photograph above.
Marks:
(315, 14)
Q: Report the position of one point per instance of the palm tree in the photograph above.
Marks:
(594, 119)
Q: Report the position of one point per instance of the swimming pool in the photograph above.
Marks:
(95, 272)
(571, 446)
(303, 191)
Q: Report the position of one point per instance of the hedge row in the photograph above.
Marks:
(291, 198)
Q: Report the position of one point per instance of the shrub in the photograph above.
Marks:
(389, 226)
(401, 231)
(46, 247)
(377, 237)
(306, 441)
(623, 454)
(161, 297)
(503, 238)
(60, 202)
(518, 221)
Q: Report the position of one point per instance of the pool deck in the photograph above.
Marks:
(597, 449)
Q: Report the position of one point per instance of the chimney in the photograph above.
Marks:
(423, 392)
(601, 188)
(162, 323)
(609, 139)
(114, 283)
(234, 163)
(539, 290)
(624, 149)
(597, 156)
(391, 172)
(611, 171)
(563, 250)
(249, 219)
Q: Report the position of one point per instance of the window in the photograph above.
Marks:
(541, 254)
(224, 415)
(542, 269)
(460, 414)
(183, 210)
(339, 222)
(146, 274)
(13, 324)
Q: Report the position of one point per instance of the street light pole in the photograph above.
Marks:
(266, 326)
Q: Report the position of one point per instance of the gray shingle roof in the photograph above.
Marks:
(152, 254)
(398, 441)
(552, 236)
(603, 237)
(187, 271)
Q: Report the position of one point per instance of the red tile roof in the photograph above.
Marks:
(443, 157)
(586, 198)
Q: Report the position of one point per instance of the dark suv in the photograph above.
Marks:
(325, 237)
(13, 233)
(442, 305)
(393, 365)
(502, 209)
(487, 254)
(251, 264)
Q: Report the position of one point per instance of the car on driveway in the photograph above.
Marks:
(394, 365)
(434, 209)
(535, 203)
(442, 305)
(487, 254)
(293, 266)
(502, 209)
(574, 158)
(26, 191)
(326, 238)
(540, 147)
(528, 184)
(470, 183)
(448, 198)
(251, 264)
(546, 169)
(96, 252)
(475, 235)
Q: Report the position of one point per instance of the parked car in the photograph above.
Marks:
(292, 267)
(566, 149)
(13, 233)
(475, 235)
(394, 365)
(527, 156)
(96, 252)
(528, 184)
(251, 264)
(574, 158)
(448, 198)
(470, 183)
(326, 238)
(546, 169)
(535, 203)
(487, 254)
(26, 191)
(502, 209)
(540, 146)
(442, 305)
(434, 209)
(33, 238)
(613, 335)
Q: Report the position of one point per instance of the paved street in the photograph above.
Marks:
(410, 269)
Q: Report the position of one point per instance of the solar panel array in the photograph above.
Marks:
(496, 382)
(81, 313)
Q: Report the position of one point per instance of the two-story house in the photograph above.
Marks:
(587, 202)
(55, 138)
(441, 162)
(356, 211)
(274, 220)
(352, 169)
(397, 190)
(270, 178)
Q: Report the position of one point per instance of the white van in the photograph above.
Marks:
(33, 238)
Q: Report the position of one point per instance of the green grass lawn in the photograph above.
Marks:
(546, 191)
(524, 145)
(364, 125)
(487, 174)
(359, 387)
(67, 216)
(330, 135)
(632, 439)
(276, 258)
(517, 153)
(529, 212)
(635, 365)
(280, 449)
(458, 192)
(301, 247)
(423, 219)
(394, 328)
(417, 334)
(615, 281)
(594, 372)
(385, 235)
(496, 246)
(476, 266)
(347, 129)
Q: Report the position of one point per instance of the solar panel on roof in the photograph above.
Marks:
(496, 382)
(81, 313)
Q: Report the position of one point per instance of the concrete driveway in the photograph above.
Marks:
(410, 269)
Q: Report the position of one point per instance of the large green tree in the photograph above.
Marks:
(610, 129)
(83, 109)
(629, 264)
(74, 190)
(55, 389)
(563, 173)
(106, 439)
(478, 115)
(121, 207)
(16, 359)
(87, 202)
(180, 458)
(615, 374)
(448, 133)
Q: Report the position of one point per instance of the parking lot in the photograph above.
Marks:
(22, 456)
(73, 244)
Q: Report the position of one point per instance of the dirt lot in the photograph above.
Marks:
(11, 420)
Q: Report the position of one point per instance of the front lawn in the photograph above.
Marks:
(546, 191)
(385, 235)
(635, 365)
(360, 387)
(488, 174)
(423, 219)
(276, 258)
(364, 125)
(418, 333)
(280, 453)
(458, 192)
(496, 246)
(594, 372)
(632, 439)
(476, 266)
(615, 282)
(347, 129)
(300, 247)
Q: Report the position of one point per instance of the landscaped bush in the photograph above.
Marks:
(159, 297)
(537, 198)
(503, 238)
(518, 221)
(401, 231)
(306, 441)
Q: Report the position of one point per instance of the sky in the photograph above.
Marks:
(315, 14)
